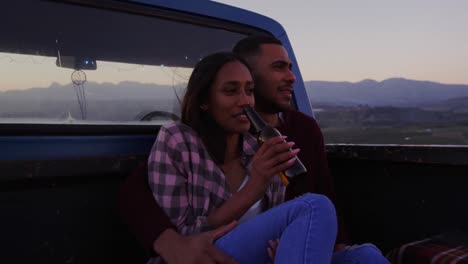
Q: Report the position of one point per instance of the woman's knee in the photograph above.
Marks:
(320, 208)
(319, 201)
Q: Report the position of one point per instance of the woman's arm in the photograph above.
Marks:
(272, 157)
(168, 170)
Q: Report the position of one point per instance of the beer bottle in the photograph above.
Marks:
(264, 132)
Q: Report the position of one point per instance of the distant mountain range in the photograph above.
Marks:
(94, 91)
(105, 101)
(397, 92)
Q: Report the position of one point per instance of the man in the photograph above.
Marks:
(271, 70)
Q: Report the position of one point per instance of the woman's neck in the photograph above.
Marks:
(232, 147)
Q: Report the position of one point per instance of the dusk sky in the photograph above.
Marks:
(354, 40)
(333, 41)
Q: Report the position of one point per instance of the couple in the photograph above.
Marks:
(207, 172)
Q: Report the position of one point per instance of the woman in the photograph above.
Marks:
(208, 171)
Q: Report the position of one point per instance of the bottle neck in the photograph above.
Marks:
(255, 119)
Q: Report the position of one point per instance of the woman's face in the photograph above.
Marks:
(231, 90)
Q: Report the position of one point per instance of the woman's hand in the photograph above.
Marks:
(274, 156)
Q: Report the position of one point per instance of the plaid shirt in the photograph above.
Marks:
(188, 184)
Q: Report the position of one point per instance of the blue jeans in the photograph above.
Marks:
(306, 227)
(360, 254)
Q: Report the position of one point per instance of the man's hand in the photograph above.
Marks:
(340, 247)
(272, 246)
(175, 248)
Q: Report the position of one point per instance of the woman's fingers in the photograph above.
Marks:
(274, 155)
(281, 161)
(274, 146)
(284, 156)
(278, 148)
(270, 142)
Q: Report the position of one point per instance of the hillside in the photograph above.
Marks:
(391, 92)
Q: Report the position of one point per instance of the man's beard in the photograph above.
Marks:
(283, 107)
(267, 105)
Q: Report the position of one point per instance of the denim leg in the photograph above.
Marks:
(306, 227)
(360, 254)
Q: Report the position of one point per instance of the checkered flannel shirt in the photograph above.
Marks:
(188, 184)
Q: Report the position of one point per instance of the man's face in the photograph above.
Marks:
(273, 78)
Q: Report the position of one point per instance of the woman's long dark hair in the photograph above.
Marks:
(197, 94)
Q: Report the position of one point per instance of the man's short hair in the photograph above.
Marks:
(250, 46)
